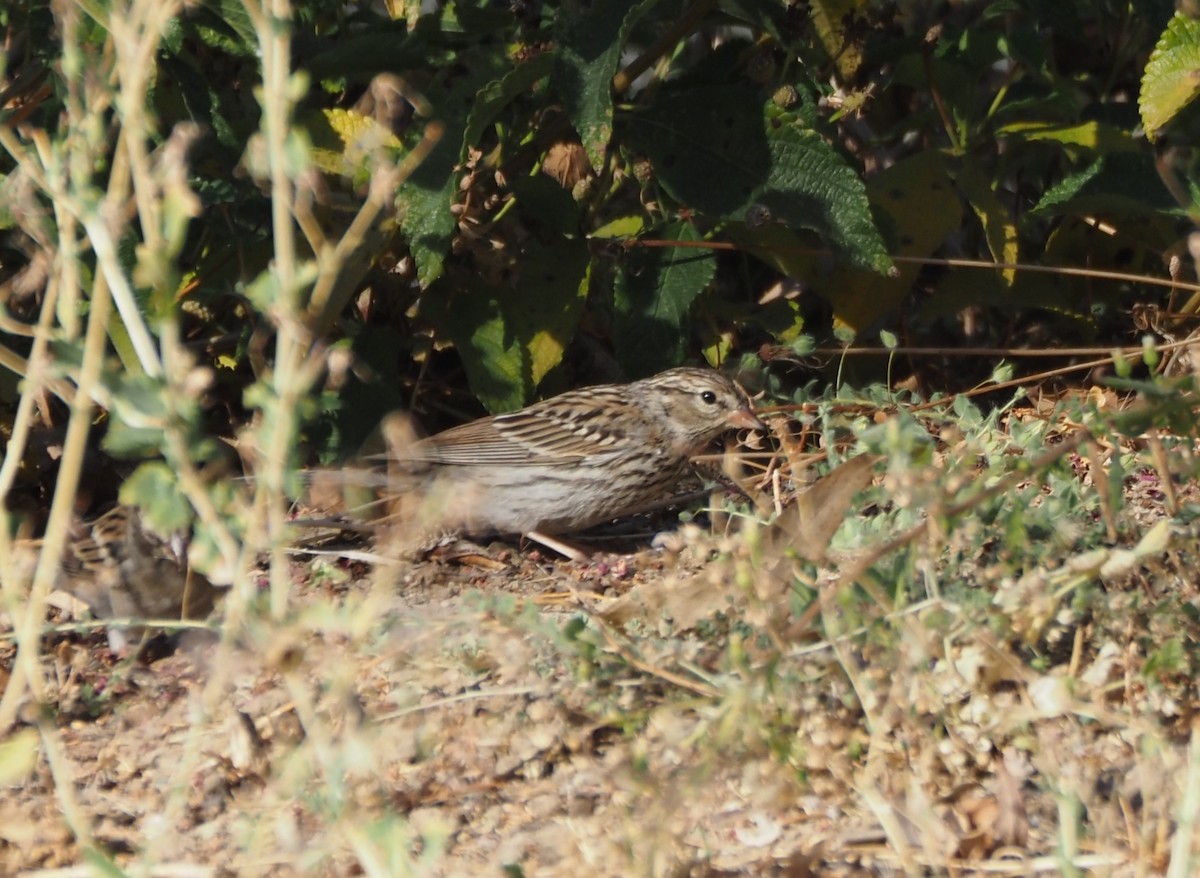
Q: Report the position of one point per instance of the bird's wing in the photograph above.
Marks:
(567, 428)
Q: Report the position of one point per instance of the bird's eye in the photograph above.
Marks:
(709, 397)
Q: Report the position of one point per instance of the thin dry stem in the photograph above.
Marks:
(27, 669)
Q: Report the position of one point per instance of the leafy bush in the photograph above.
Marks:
(554, 192)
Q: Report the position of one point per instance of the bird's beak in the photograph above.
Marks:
(744, 419)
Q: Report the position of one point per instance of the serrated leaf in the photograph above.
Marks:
(589, 43)
(1172, 77)
(652, 297)
(498, 94)
(1114, 184)
(726, 152)
(812, 187)
(918, 198)
(423, 205)
(423, 202)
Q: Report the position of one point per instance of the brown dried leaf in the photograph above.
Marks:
(567, 163)
(820, 509)
(685, 602)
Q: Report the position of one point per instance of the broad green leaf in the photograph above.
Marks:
(544, 200)
(725, 151)
(344, 141)
(425, 197)
(812, 187)
(423, 205)
(126, 441)
(652, 298)
(496, 95)
(154, 489)
(240, 39)
(385, 47)
(831, 19)
(918, 198)
(1119, 184)
(1092, 135)
(621, 227)
(589, 42)
(139, 415)
(1172, 77)
(708, 145)
(510, 336)
(998, 227)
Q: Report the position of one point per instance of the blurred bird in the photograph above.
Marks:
(122, 569)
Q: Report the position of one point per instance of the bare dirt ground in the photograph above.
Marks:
(662, 713)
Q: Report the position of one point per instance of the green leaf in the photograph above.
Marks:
(726, 152)
(812, 187)
(833, 21)
(509, 337)
(370, 390)
(425, 198)
(589, 42)
(652, 297)
(1091, 134)
(139, 415)
(998, 227)
(916, 197)
(621, 227)
(544, 201)
(387, 46)
(241, 39)
(1172, 77)
(498, 94)
(708, 145)
(1118, 184)
(423, 204)
(101, 864)
(344, 141)
(1169, 658)
(154, 489)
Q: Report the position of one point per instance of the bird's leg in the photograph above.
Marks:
(567, 550)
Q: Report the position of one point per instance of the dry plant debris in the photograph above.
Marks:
(746, 703)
